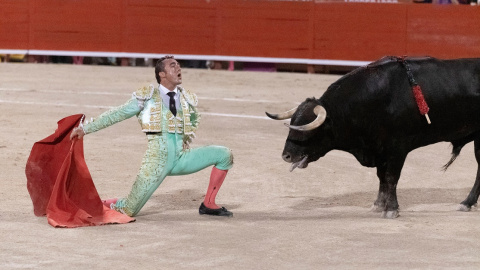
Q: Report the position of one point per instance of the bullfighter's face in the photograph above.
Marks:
(172, 74)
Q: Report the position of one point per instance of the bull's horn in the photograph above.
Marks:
(321, 115)
(282, 116)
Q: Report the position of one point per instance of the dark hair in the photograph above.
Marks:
(160, 66)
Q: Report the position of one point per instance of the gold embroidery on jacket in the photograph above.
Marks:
(151, 117)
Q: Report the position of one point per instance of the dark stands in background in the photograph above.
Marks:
(200, 64)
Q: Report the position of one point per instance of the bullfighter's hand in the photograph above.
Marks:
(77, 133)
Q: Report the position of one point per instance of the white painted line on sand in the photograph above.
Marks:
(109, 107)
(127, 94)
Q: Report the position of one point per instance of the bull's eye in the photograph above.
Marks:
(300, 136)
(299, 143)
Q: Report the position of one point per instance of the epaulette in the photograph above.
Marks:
(143, 94)
(190, 97)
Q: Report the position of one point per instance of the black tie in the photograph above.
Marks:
(173, 108)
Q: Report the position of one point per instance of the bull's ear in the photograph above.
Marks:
(282, 116)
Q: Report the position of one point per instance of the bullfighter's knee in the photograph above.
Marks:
(225, 158)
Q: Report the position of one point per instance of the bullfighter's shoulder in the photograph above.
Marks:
(144, 93)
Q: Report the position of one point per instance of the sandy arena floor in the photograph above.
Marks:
(316, 218)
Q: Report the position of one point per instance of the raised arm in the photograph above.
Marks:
(108, 118)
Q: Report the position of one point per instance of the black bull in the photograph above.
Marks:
(371, 113)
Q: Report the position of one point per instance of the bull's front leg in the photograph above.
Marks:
(388, 174)
(379, 204)
(472, 197)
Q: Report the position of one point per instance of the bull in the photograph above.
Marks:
(372, 114)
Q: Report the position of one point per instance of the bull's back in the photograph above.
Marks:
(451, 89)
(379, 98)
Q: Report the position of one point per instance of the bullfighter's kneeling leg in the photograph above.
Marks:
(155, 166)
(142, 190)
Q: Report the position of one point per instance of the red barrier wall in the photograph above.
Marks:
(274, 29)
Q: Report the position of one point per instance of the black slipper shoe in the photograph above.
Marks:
(203, 210)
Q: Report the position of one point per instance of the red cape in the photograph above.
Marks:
(60, 184)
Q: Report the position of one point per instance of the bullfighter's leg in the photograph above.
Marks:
(156, 164)
(197, 159)
(388, 173)
(472, 197)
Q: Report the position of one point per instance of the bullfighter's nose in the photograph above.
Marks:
(287, 157)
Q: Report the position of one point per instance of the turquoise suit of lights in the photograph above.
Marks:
(168, 138)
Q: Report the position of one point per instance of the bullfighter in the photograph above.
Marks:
(167, 114)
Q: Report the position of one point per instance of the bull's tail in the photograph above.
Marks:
(455, 152)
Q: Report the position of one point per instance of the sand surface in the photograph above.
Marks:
(316, 218)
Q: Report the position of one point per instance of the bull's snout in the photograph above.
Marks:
(287, 157)
(303, 163)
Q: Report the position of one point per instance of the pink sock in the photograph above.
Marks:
(108, 202)
(216, 179)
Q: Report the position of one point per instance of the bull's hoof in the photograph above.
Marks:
(390, 214)
(463, 208)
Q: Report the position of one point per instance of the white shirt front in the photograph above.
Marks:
(166, 98)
